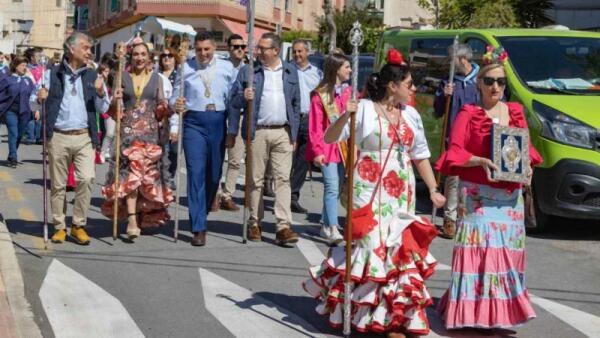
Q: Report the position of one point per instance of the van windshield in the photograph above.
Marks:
(567, 65)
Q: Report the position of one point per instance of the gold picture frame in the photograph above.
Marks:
(510, 152)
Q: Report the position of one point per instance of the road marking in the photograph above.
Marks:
(247, 315)
(581, 321)
(5, 176)
(76, 307)
(310, 251)
(443, 267)
(14, 194)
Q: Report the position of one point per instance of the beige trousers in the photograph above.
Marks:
(62, 151)
(275, 146)
(234, 160)
(451, 194)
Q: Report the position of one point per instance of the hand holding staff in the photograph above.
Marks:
(180, 108)
(356, 38)
(438, 176)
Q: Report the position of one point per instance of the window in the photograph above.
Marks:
(58, 3)
(17, 0)
(478, 47)
(429, 63)
(287, 5)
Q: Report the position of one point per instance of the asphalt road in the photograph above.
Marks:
(157, 288)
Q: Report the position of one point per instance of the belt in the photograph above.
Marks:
(72, 132)
(272, 127)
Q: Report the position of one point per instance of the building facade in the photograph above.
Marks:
(114, 20)
(577, 14)
(35, 23)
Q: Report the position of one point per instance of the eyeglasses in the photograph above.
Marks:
(235, 47)
(263, 49)
(167, 56)
(489, 81)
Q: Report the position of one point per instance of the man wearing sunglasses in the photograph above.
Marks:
(237, 56)
(463, 91)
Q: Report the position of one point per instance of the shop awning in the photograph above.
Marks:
(156, 25)
(240, 29)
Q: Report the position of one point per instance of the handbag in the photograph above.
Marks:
(363, 218)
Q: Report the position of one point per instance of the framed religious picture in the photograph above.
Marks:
(510, 152)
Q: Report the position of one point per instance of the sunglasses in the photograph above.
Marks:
(234, 47)
(489, 81)
(167, 56)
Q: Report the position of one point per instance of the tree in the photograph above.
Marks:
(465, 13)
(290, 36)
(372, 27)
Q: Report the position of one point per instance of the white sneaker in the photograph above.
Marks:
(336, 238)
(326, 233)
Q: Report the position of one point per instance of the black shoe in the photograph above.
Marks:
(296, 207)
(12, 163)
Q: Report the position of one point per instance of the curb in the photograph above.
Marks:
(10, 272)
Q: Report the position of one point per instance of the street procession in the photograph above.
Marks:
(311, 168)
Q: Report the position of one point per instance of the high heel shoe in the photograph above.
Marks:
(133, 233)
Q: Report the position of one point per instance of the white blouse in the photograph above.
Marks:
(366, 124)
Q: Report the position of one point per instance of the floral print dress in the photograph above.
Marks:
(391, 263)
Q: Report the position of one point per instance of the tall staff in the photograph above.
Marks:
(183, 51)
(356, 39)
(438, 175)
(43, 62)
(250, 6)
(119, 108)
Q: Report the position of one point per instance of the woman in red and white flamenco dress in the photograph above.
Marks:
(391, 263)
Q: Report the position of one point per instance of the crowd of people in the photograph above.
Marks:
(300, 119)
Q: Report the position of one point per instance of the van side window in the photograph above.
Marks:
(429, 62)
(478, 46)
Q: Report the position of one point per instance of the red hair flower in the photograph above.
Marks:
(395, 57)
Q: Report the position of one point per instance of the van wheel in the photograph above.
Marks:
(536, 221)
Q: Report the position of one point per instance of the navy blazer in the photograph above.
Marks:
(237, 102)
(10, 88)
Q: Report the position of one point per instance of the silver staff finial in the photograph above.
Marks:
(43, 59)
(356, 35)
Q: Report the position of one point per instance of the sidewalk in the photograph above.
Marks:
(16, 318)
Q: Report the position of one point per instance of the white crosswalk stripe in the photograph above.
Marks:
(76, 307)
(584, 322)
(247, 315)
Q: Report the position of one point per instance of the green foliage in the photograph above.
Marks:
(491, 13)
(291, 36)
(498, 14)
(372, 27)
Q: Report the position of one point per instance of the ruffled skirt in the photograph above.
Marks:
(487, 288)
(141, 173)
(389, 292)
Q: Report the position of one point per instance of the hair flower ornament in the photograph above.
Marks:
(395, 57)
(494, 55)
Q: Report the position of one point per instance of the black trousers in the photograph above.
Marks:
(299, 164)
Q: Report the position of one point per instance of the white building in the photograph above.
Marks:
(577, 14)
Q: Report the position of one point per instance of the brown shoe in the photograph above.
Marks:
(199, 239)
(255, 233)
(215, 206)
(448, 229)
(229, 205)
(286, 236)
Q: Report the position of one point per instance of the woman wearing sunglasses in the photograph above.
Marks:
(167, 64)
(487, 289)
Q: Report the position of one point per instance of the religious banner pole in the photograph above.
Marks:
(438, 175)
(43, 62)
(250, 6)
(356, 39)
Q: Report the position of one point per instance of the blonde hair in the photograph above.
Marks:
(488, 68)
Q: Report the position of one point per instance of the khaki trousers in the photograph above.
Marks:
(62, 151)
(234, 160)
(451, 194)
(275, 146)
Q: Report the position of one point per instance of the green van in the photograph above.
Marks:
(555, 74)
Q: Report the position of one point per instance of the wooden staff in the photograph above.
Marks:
(44, 155)
(183, 51)
(438, 174)
(356, 38)
(249, 110)
(117, 167)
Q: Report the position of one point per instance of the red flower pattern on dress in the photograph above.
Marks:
(368, 169)
(394, 185)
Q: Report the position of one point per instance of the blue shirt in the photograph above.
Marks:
(309, 78)
(72, 114)
(221, 80)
